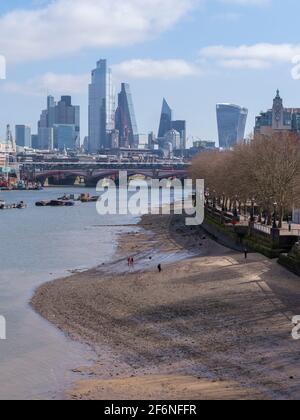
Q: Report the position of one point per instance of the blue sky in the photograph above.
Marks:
(193, 52)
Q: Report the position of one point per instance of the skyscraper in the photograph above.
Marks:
(65, 136)
(125, 119)
(23, 136)
(165, 120)
(58, 114)
(45, 138)
(231, 124)
(101, 107)
(180, 127)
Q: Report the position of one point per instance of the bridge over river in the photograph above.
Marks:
(89, 173)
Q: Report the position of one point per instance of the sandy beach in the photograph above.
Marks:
(210, 326)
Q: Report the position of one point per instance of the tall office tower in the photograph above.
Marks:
(180, 127)
(231, 124)
(66, 124)
(165, 120)
(50, 112)
(23, 136)
(125, 119)
(45, 138)
(65, 137)
(101, 107)
(62, 114)
(45, 132)
(43, 121)
(35, 141)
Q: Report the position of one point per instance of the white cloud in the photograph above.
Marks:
(247, 2)
(67, 26)
(60, 84)
(70, 84)
(256, 56)
(155, 69)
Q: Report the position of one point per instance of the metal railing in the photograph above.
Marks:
(262, 228)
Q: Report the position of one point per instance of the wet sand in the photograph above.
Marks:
(210, 326)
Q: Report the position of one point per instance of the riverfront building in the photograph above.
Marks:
(278, 118)
(232, 121)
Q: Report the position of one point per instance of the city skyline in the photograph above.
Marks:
(196, 55)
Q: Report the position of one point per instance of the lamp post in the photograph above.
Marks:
(275, 216)
(252, 219)
(214, 200)
(235, 210)
(207, 198)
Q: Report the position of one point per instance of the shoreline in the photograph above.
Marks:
(183, 334)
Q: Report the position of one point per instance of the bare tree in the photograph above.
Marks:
(265, 170)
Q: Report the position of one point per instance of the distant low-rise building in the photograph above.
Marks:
(173, 137)
(3, 157)
(204, 145)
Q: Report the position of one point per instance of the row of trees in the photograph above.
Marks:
(264, 171)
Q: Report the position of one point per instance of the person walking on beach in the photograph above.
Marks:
(246, 253)
(159, 268)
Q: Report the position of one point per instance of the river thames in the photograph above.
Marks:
(37, 245)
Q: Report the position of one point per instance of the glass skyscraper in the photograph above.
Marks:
(61, 113)
(180, 126)
(165, 120)
(23, 136)
(125, 119)
(232, 121)
(101, 107)
(65, 136)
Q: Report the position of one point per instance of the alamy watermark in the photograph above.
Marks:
(2, 67)
(141, 197)
(2, 328)
(296, 329)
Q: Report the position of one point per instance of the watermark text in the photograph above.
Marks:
(2, 67)
(296, 329)
(2, 328)
(140, 197)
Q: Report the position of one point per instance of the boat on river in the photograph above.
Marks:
(87, 198)
(55, 203)
(19, 206)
